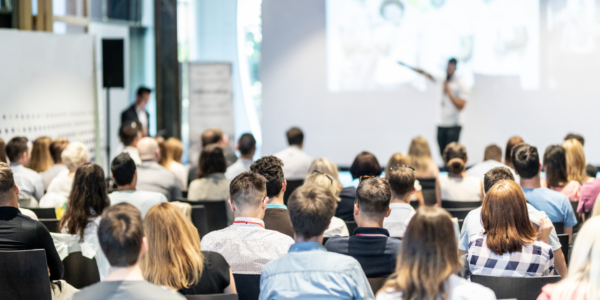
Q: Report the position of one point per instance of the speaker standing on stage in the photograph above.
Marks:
(137, 111)
(454, 99)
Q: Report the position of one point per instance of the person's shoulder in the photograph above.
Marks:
(149, 195)
(464, 289)
(388, 294)
(276, 236)
(336, 243)
(157, 291)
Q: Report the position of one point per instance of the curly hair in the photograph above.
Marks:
(271, 168)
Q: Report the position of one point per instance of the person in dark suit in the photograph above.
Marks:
(137, 111)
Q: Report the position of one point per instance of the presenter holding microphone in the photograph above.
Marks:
(454, 99)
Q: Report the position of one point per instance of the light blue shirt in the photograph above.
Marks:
(308, 271)
(556, 205)
(29, 182)
(142, 200)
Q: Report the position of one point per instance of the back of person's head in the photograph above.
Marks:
(211, 136)
(365, 164)
(397, 159)
(496, 175)
(173, 151)
(526, 160)
(148, 149)
(7, 184)
(74, 155)
(555, 165)
(574, 136)
(212, 160)
(129, 132)
(323, 180)
(173, 258)
(2, 151)
(512, 142)
(123, 169)
(88, 199)
(373, 197)
(455, 157)
(121, 234)
(295, 136)
(428, 256)
(311, 208)
(591, 171)
(271, 168)
(402, 180)
(493, 152)
(142, 90)
(419, 149)
(326, 166)
(41, 160)
(56, 149)
(248, 190)
(247, 144)
(16, 147)
(575, 160)
(505, 219)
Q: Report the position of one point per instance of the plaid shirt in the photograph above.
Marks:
(535, 259)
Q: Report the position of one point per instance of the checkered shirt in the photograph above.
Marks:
(535, 259)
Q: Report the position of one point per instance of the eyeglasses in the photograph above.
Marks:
(404, 166)
(328, 176)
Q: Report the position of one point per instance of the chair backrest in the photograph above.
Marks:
(429, 197)
(248, 286)
(376, 284)
(459, 213)
(560, 227)
(24, 275)
(351, 226)
(427, 183)
(44, 213)
(414, 204)
(216, 212)
(51, 224)
(292, 185)
(461, 204)
(213, 297)
(325, 239)
(522, 288)
(564, 245)
(199, 219)
(80, 271)
(26, 203)
(574, 205)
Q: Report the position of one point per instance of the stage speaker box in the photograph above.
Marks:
(113, 73)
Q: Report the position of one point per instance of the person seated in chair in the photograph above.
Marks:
(29, 181)
(402, 183)
(247, 147)
(153, 177)
(130, 134)
(295, 161)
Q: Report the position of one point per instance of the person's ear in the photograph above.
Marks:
(16, 190)
(157, 154)
(264, 203)
(356, 209)
(414, 191)
(231, 205)
(284, 186)
(145, 247)
(389, 211)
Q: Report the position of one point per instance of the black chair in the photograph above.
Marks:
(292, 185)
(51, 224)
(414, 204)
(461, 204)
(80, 271)
(427, 183)
(44, 213)
(559, 227)
(24, 275)
(376, 284)
(351, 226)
(248, 286)
(459, 213)
(574, 205)
(216, 212)
(213, 297)
(522, 288)
(184, 194)
(325, 239)
(564, 245)
(429, 197)
(460, 224)
(199, 219)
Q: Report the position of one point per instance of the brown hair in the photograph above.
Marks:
(212, 160)
(428, 256)
(311, 208)
(575, 161)
(365, 164)
(173, 150)
(402, 180)
(2, 151)
(211, 136)
(7, 180)
(512, 142)
(174, 258)
(505, 219)
(496, 175)
(295, 136)
(455, 157)
(420, 154)
(271, 168)
(41, 160)
(129, 132)
(322, 180)
(373, 197)
(326, 166)
(555, 165)
(56, 149)
(396, 159)
(16, 147)
(493, 152)
(248, 189)
(120, 234)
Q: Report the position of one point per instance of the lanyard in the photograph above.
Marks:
(248, 222)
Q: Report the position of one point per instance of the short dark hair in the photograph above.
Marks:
(56, 148)
(311, 208)
(143, 90)
(120, 234)
(271, 168)
(526, 160)
(211, 136)
(453, 61)
(373, 196)
(555, 165)
(574, 136)
(246, 143)
(455, 157)
(122, 169)
(212, 160)
(129, 131)
(493, 152)
(16, 147)
(7, 180)
(248, 189)
(496, 175)
(365, 164)
(402, 180)
(591, 170)
(295, 136)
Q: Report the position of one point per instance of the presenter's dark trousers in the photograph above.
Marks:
(447, 135)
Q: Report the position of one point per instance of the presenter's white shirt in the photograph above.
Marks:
(295, 163)
(449, 114)
(142, 117)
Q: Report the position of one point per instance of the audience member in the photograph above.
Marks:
(130, 134)
(556, 205)
(58, 167)
(420, 158)
(124, 173)
(276, 216)
(575, 161)
(29, 182)
(308, 271)
(427, 265)
(174, 258)
(508, 245)
(247, 147)
(512, 142)
(401, 159)
(457, 185)
(247, 245)
(370, 243)
(401, 179)
(172, 161)
(591, 171)
(137, 112)
(216, 136)
(492, 158)
(326, 166)
(337, 225)
(41, 160)
(555, 166)
(574, 136)
(153, 177)
(74, 156)
(121, 236)
(295, 161)
(3, 151)
(364, 165)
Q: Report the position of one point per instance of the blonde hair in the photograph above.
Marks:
(74, 155)
(174, 258)
(322, 180)
(396, 159)
(583, 277)
(596, 208)
(41, 159)
(173, 150)
(575, 161)
(326, 166)
(420, 154)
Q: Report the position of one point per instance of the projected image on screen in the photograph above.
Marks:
(366, 40)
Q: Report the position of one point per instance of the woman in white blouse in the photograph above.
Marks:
(457, 185)
(74, 155)
(172, 161)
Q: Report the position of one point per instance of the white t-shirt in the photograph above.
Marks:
(295, 163)
(460, 189)
(449, 114)
(398, 219)
(238, 167)
(483, 167)
(142, 200)
(336, 227)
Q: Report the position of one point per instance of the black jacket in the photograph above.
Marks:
(130, 114)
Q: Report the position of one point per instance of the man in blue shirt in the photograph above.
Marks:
(29, 181)
(371, 244)
(557, 207)
(308, 271)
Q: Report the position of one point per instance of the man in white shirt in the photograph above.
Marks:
(124, 173)
(247, 147)
(491, 158)
(295, 161)
(246, 245)
(137, 111)
(402, 182)
(130, 134)
(29, 181)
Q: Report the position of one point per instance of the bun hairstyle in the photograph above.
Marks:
(455, 157)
